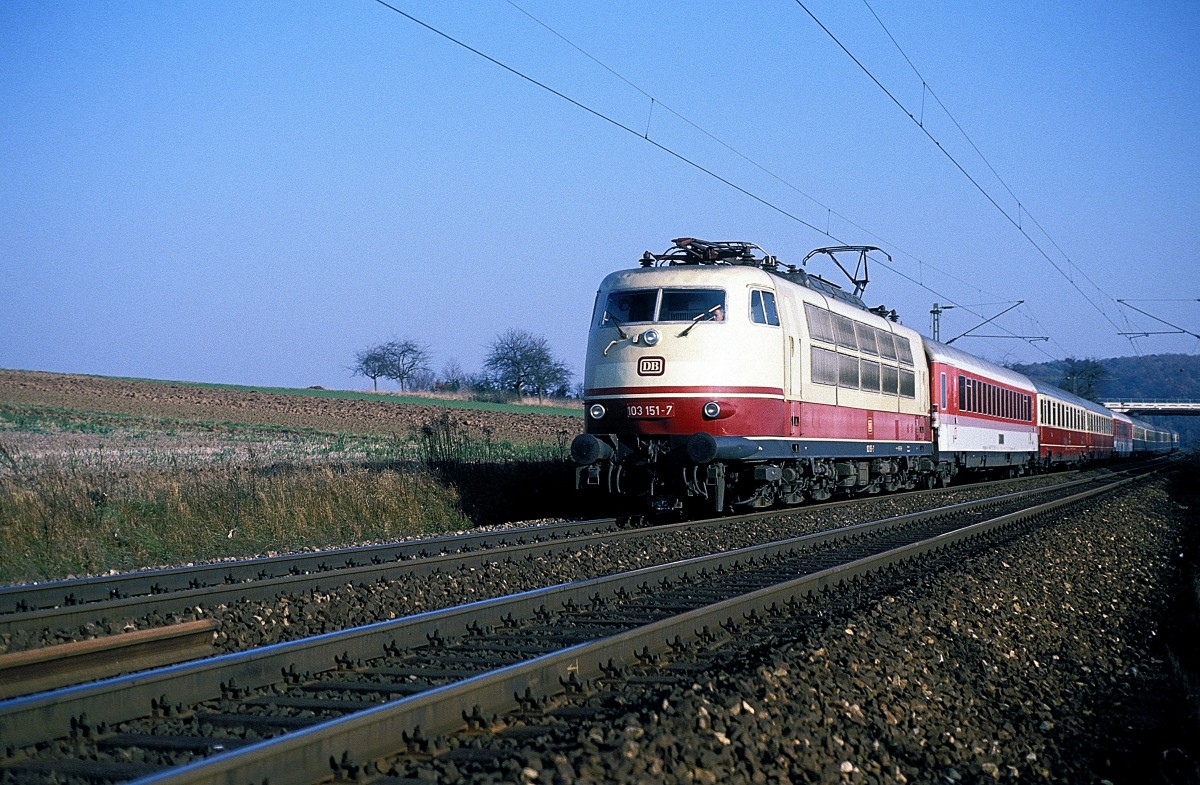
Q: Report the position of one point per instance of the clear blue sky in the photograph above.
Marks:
(252, 192)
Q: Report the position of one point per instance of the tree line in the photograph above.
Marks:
(518, 363)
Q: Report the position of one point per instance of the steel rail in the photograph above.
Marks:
(306, 755)
(45, 716)
(52, 667)
(98, 589)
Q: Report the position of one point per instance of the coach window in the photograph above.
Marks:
(943, 392)
(762, 308)
(962, 392)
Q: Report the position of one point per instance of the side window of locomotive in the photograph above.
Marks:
(685, 305)
(629, 306)
(869, 371)
(843, 329)
(847, 371)
(908, 383)
(887, 347)
(762, 308)
(889, 379)
(824, 366)
(866, 338)
(903, 350)
(820, 326)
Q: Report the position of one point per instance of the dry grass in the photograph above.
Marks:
(149, 508)
(83, 492)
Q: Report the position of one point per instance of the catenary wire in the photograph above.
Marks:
(664, 148)
(1016, 223)
(656, 102)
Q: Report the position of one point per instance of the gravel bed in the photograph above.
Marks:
(1052, 657)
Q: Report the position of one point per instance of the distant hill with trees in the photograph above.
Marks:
(1132, 378)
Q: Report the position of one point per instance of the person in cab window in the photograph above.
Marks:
(718, 313)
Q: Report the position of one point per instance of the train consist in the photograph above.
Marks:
(718, 377)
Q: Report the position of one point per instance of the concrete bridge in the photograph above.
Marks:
(1168, 407)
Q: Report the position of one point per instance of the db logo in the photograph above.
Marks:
(651, 366)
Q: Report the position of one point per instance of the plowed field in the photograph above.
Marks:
(368, 415)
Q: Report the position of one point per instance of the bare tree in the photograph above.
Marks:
(1083, 377)
(400, 361)
(521, 361)
(371, 363)
(454, 378)
(405, 361)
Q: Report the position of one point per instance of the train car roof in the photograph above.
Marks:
(940, 352)
(1050, 391)
(1152, 427)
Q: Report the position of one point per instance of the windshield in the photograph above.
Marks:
(664, 305)
(630, 306)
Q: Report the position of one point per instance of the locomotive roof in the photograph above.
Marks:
(691, 251)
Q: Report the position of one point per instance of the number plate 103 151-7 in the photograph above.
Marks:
(650, 410)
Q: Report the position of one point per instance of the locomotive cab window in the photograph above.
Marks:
(664, 305)
(630, 306)
(762, 308)
(686, 305)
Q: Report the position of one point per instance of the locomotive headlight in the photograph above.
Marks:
(650, 337)
(712, 410)
(596, 411)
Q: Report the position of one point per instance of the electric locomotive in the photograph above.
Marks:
(717, 375)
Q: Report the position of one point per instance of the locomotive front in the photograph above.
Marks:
(684, 371)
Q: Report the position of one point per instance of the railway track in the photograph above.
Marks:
(292, 711)
(236, 592)
(146, 593)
